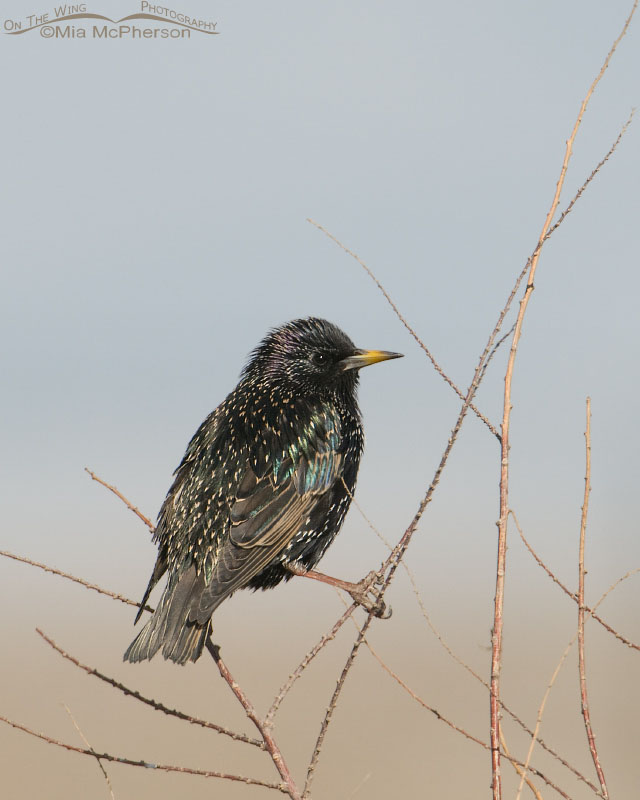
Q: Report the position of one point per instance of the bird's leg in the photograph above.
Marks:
(360, 592)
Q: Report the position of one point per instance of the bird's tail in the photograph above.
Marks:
(170, 628)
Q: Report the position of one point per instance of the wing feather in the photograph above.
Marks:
(264, 519)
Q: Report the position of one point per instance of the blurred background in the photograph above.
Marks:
(153, 214)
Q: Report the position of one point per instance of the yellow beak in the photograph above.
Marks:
(364, 358)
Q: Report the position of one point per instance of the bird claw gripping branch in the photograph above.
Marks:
(367, 594)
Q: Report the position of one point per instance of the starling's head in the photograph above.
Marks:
(311, 355)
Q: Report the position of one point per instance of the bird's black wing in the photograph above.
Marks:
(267, 513)
(227, 537)
(185, 508)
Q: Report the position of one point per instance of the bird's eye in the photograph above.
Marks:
(320, 359)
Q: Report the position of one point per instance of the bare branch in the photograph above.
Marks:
(457, 728)
(398, 552)
(517, 767)
(274, 751)
(428, 353)
(463, 663)
(534, 737)
(573, 595)
(593, 174)
(391, 564)
(419, 700)
(315, 756)
(496, 654)
(494, 350)
(581, 571)
(205, 773)
(94, 587)
(148, 701)
(481, 680)
(328, 637)
(84, 739)
(128, 504)
(541, 708)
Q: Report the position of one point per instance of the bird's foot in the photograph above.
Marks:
(366, 593)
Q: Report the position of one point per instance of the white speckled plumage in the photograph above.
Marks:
(266, 481)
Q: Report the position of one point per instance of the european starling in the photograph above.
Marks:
(264, 485)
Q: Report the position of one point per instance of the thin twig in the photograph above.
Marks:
(270, 744)
(240, 737)
(455, 727)
(571, 594)
(419, 700)
(127, 503)
(355, 791)
(593, 174)
(428, 353)
(517, 767)
(581, 572)
(94, 587)
(84, 739)
(146, 764)
(285, 688)
(534, 737)
(495, 349)
(315, 756)
(541, 708)
(396, 556)
(481, 680)
(496, 653)
(461, 661)
(391, 564)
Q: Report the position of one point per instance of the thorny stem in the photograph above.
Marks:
(264, 730)
(117, 493)
(268, 720)
(572, 595)
(591, 176)
(387, 297)
(463, 663)
(205, 773)
(484, 683)
(94, 587)
(397, 554)
(86, 741)
(147, 700)
(518, 765)
(581, 573)
(391, 564)
(496, 654)
(534, 735)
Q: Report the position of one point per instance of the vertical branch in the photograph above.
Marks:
(496, 650)
(581, 609)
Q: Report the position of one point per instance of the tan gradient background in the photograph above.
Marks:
(152, 223)
(381, 742)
